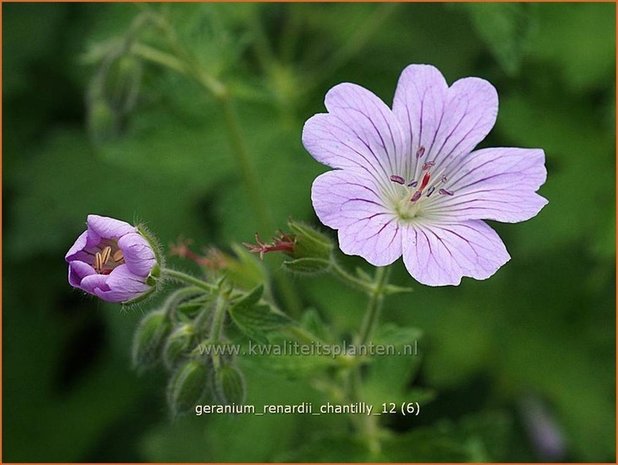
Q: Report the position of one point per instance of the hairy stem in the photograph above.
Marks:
(187, 279)
(349, 278)
(216, 326)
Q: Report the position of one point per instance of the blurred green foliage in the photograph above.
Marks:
(542, 327)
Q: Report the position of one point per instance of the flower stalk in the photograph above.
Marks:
(185, 278)
(368, 426)
(184, 63)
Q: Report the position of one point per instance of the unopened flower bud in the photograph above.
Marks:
(312, 250)
(149, 338)
(122, 82)
(230, 385)
(310, 243)
(187, 386)
(103, 122)
(113, 260)
(178, 345)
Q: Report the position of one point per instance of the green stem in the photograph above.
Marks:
(159, 57)
(187, 279)
(218, 318)
(350, 279)
(374, 306)
(216, 327)
(368, 425)
(247, 169)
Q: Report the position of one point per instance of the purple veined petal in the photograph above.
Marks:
(359, 132)
(109, 228)
(94, 282)
(345, 201)
(79, 270)
(444, 122)
(441, 253)
(122, 286)
(494, 184)
(78, 246)
(138, 254)
(333, 191)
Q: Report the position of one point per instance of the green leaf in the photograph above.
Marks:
(388, 376)
(578, 42)
(312, 322)
(506, 29)
(256, 319)
(247, 271)
(281, 357)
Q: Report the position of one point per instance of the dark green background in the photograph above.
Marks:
(543, 326)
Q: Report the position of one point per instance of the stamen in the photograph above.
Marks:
(118, 257)
(101, 258)
(105, 254)
(420, 152)
(398, 179)
(428, 164)
(413, 184)
(416, 196)
(98, 262)
(445, 192)
(431, 190)
(425, 181)
(443, 179)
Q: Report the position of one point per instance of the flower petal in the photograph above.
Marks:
(360, 132)
(138, 255)
(95, 282)
(440, 254)
(78, 246)
(445, 122)
(495, 184)
(78, 270)
(122, 286)
(344, 200)
(109, 228)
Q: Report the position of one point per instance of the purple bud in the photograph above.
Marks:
(413, 184)
(431, 190)
(112, 260)
(444, 192)
(420, 152)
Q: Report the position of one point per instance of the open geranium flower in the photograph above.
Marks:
(407, 181)
(111, 260)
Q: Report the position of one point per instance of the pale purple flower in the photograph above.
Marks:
(409, 182)
(111, 260)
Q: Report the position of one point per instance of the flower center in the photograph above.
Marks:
(108, 258)
(412, 195)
